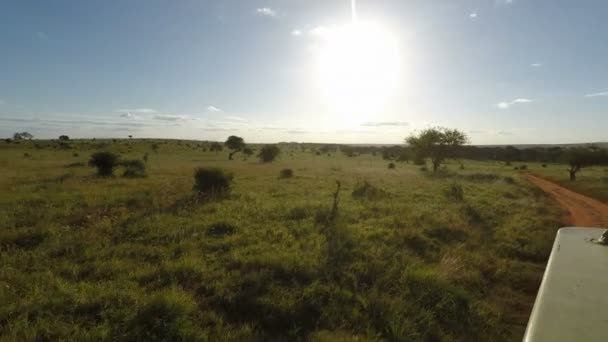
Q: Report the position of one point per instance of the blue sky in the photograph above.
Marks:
(519, 71)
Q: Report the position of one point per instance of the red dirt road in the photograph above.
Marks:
(584, 211)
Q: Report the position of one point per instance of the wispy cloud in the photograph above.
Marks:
(296, 33)
(129, 116)
(504, 133)
(266, 11)
(213, 109)
(473, 15)
(138, 111)
(536, 65)
(298, 131)
(508, 104)
(385, 123)
(171, 117)
(218, 129)
(602, 93)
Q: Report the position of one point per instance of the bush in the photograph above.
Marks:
(368, 191)
(544, 165)
(523, 167)
(424, 169)
(26, 155)
(391, 165)
(286, 173)
(75, 154)
(211, 181)
(105, 162)
(454, 192)
(133, 168)
(269, 153)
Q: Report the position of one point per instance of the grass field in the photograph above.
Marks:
(454, 257)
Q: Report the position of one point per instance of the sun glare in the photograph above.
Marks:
(358, 70)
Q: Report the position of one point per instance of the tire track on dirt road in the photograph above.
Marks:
(584, 211)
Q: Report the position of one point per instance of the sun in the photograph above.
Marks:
(358, 68)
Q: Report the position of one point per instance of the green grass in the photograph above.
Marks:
(87, 258)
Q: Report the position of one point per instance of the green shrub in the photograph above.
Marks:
(286, 173)
(391, 165)
(368, 191)
(105, 162)
(269, 153)
(133, 168)
(523, 167)
(211, 181)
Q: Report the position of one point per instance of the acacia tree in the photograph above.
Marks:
(584, 157)
(436, 143)
(234, 143)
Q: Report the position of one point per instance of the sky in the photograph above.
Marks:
(503, 71)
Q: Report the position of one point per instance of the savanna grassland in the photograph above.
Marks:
(410, 256)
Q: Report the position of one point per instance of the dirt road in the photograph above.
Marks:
(584, 211)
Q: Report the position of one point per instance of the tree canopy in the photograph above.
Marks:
(234, 143)
(436, 143)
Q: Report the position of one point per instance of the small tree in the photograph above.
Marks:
(64, 138)
(105, 162)
(437, 144)
(216, 147)
(211, 181)
(269, 153)
(582, 157)
(234, 143)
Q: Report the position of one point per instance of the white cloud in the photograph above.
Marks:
(235, 118)
(213, 109)
(296, 33)
(508, 104)
(473, 15)
(603, 93)
(2, 102)
(129, 116)
(171, 117)
(137, 111)
(266, 11)
(522, 100)
(536, 65)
